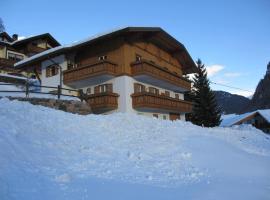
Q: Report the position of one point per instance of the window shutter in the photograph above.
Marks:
(136, 88)
(109, 88)
(96, 89)
(56, 69)
(143, 88)
(167, 93)
(151, 90)
(47, 71)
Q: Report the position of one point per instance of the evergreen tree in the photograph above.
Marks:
(2, 27)
(205, 109)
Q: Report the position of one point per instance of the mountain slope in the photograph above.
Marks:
(50, 154)
(261, 97)
(231, 103)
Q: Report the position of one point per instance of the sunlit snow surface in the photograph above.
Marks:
(50, 154)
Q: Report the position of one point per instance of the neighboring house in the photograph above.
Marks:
(13, 50)
(259, 119)
(134, 69)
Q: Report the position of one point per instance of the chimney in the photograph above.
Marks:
(15, 37)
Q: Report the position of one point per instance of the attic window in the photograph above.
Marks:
(100, 58)
(138, 58)
(51, 70)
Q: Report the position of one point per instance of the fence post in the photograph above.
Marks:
(27, 89)
(58, 91)
(81, 96)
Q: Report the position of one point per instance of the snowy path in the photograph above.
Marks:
(50, 154)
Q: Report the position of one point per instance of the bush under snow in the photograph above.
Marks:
(50, 154)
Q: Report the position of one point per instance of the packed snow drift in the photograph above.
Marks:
(50, 154)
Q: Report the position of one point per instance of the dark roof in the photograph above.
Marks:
(5, 34)
(41, 36)
(155, 35)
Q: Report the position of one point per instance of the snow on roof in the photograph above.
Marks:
(67, 46)
(265, 114)
(38, 55)
(229, 120)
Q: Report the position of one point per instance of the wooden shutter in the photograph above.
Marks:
(48, 72)
(136, 87)
(109, 88)
(152, 90)
(96, 89)
(56, 70)
(143, 88)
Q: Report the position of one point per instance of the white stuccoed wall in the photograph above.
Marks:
(53, 80)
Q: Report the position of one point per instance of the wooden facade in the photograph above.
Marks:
(121, 60)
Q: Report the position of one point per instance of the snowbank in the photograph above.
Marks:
(50, 154)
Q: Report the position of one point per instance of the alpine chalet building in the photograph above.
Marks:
(134, 69)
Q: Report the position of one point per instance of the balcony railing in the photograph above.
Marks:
(4, 62)
(89, 70)
(150, 69)
(146, 100)
(103, 102)
(35, 49)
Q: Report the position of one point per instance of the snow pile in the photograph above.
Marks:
(50, 154)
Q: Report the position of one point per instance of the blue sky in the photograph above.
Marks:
(231, 37)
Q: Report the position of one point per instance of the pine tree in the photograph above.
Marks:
(205, 109)
(2, 27)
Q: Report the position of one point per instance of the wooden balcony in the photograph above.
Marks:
(35, 49)
(153, 102)
(89, 74)
(151, 73)
(4, 62)
(103, 102)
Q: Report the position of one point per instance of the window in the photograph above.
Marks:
(155, 115)
(138, 58)
(15, 57)
(70, 64)
(167, 93)
(177, 96)
(103, 88)
(138, 88)
(51, 70)
(164, 117)
(153, 90)
(88, 91)
(101, 58)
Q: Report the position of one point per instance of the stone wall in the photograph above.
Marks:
(71, 106)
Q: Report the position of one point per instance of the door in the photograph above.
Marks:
(174, 116)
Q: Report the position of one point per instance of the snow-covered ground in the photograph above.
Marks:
(50, 154)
